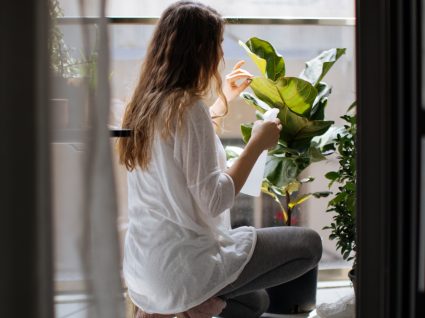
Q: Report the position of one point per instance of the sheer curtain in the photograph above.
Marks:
(87, 258)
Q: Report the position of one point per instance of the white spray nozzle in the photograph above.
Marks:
(271, 114)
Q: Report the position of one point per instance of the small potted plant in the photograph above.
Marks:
(61, 61)
(343, 205)
(306, 137)
(70, 76)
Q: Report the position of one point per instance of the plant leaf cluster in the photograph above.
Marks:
(301, 102)
(62, 61)
(343, 205)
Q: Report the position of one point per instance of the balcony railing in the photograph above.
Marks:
(229, 20)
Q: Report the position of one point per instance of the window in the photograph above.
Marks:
(331, 24)
(237, 8)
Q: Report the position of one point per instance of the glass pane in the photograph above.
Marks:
(128, 46)
(241, 8)
(69, 104)
(297, 44)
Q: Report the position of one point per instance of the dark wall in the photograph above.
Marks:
(388, 81)
(25, 262)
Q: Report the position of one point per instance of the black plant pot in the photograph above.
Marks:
(352, 276)
(296, 296)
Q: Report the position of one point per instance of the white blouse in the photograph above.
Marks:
(179, 248)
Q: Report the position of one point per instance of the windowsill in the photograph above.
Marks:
(327, 278)
(333, 274)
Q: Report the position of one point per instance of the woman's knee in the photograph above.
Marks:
(292, 241)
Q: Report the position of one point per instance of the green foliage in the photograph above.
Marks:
(62, 61)
(317, 68)
(343, 205)
(301, 102)
(270, 63)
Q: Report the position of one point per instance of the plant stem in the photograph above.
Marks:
(288, 199)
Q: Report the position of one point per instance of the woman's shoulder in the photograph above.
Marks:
(198, 110)
(197, 117)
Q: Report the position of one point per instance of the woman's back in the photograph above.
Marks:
(179, 246)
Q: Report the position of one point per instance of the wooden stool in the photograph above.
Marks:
(209, 308)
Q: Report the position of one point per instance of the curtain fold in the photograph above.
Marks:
(102, 256)
(87, 254)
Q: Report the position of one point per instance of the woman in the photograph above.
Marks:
(181, 256)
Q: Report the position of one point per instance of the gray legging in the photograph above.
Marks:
(280, 255)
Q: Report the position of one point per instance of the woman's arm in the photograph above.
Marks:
(195, 152)
(265, 135)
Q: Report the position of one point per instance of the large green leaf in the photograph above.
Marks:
(315, 155)
(323, 90)
(281, 171)
(310, 130)
(298, 131)
(266, 90)
(233, 152)
(297, 94)
(270, 63)
(260, 62)
(328, 138)
(319, 104)
(246, 130)
(317, 68)
(258, 104)
(293, 92)
(318, 111)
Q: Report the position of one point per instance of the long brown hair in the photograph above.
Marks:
(181, 62)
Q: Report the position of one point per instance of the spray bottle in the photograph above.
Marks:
(252, 185)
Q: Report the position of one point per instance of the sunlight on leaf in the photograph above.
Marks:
(299, 200)
(264, 55)
(260, 62)
(297, 94)
(266, 90)
(258, 104)
(317, 68)
(267, 189)
(246, 132)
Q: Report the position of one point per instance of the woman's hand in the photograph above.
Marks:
(231, 88)
(265, 134)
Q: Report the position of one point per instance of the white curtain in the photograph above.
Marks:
(87, 255)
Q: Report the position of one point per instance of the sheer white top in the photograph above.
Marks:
(179, 247)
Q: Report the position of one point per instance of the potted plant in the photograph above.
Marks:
(306, 137)
(343, 205)
(61, 61)
(70, 75)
